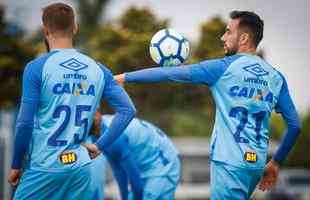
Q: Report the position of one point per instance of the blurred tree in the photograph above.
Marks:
(14, 54)
(91, 16)
(209, 44)
(141, 21)
(90, 13)
(299, 157)
(277, 126)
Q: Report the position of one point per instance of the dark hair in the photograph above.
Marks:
(252, 22)
(59, 18)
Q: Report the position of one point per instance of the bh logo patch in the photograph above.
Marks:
(250, 157)
(256, 69)
(67, 158)
(73, 64)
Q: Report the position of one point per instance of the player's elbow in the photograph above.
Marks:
(24, 124)
(295, 129)
(133, 112)
(130, 111)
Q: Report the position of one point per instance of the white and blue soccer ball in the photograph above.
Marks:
(168, 48)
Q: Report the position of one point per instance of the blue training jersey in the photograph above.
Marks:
(70, 86)
(245, 96)
(149, 147)
(61, 92)
(246, 89)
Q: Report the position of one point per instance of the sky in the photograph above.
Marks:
(286, 41)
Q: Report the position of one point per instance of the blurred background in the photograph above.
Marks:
(117, 33)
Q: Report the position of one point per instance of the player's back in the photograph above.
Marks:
(71, 86)
(150, 147)
(245, 95)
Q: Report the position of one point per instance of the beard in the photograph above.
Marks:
(231, 51)
(47, 46)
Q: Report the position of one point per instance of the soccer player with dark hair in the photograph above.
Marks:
(150, 163)
(246, 89)
(61, 91)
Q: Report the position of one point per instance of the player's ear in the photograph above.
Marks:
(244, 38)
(45, 31)
(75, 29)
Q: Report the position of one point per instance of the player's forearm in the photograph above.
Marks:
(159, 74)
(120, 122)
(288, 111)
(287, 143)
(23, 132)
(129, 165)
(122, 184)
(120, 177)
(120, 156)
(124, 113)
(21, 143)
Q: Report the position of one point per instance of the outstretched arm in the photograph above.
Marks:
(159, 74)
(207, 72)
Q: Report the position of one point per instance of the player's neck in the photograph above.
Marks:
(61, 43)
(247, 50)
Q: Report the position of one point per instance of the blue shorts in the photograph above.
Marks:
(229, 182)
(161, 187)
(41, 185)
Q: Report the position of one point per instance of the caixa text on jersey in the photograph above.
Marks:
(74, 89)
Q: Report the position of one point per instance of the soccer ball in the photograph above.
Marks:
(168, 48)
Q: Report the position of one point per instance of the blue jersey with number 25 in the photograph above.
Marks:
(70, 86)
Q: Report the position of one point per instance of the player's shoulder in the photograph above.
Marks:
(222, 62)
(231, 59)
(277, 75)
(101, 66)
(78, 54)
(35, 66)
(40, 60)
(274, 72)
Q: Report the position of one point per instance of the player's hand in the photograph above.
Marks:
(92, 149)
(120, 79)
(270, 176)
(14, 176)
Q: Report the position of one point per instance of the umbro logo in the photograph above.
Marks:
(256, 69)
(73, 64)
